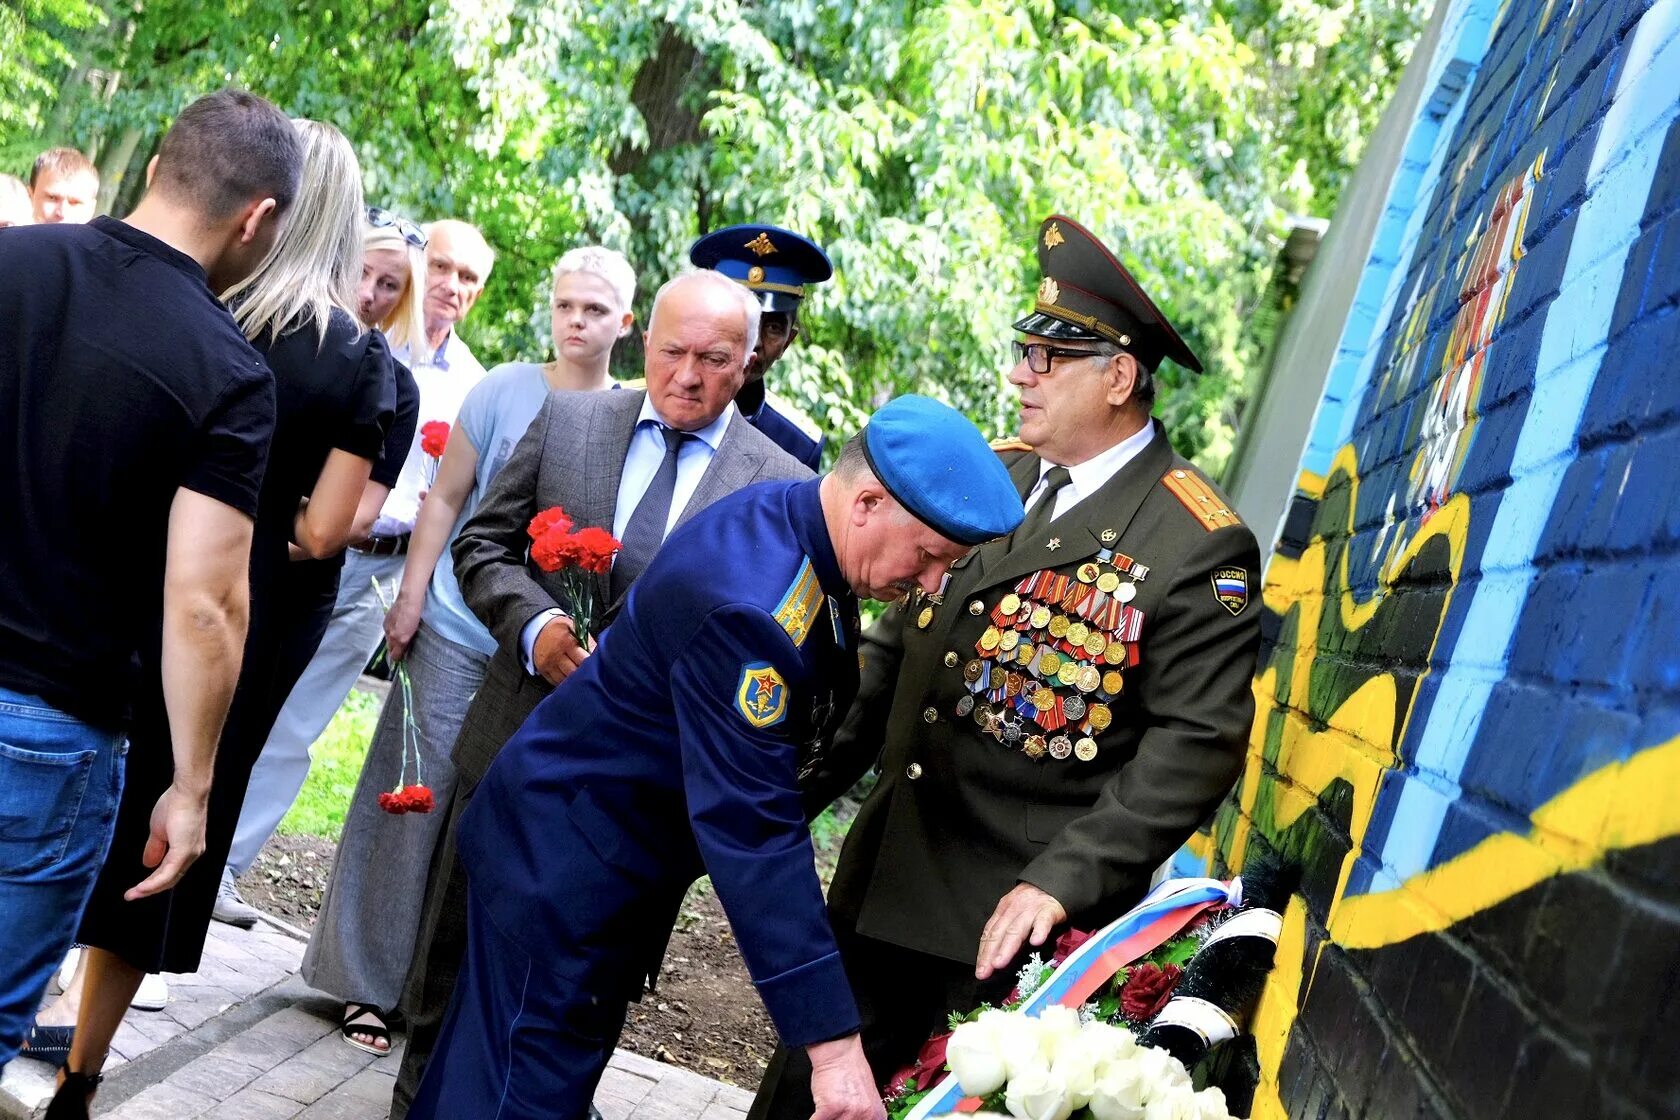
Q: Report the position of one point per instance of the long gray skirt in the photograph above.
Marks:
(364, 937)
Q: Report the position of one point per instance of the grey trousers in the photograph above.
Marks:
(365, 935)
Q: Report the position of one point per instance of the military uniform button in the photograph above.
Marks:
(931, 715)
(951, 659)
(976, 607)
(913, 771)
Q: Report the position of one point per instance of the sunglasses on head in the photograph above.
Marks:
(384, 219)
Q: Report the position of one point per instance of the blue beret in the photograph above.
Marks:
(774, 263)
(942, 470)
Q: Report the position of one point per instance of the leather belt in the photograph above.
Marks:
(384, 546)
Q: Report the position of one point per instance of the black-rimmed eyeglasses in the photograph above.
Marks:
(383, 219)
(1039, 355)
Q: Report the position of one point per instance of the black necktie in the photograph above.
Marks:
(1044, 511)
(646, 527)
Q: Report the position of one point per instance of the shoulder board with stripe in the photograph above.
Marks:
(800, 605)
(1197, 496)
(794, 416)
(1002, 446)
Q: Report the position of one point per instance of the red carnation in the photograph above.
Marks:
(554, 517)
(434, 434)
(553, 550)
(595, 549)
(407, 799)
(1147, 990)
(1067, 943)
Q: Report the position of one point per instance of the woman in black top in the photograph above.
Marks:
(336, 394)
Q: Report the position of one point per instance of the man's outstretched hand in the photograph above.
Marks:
(841, 1084)
(1024, 914)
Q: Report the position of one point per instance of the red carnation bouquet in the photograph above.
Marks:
(434, 437)
(405, 797)
(555, 548)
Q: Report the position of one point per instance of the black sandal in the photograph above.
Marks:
(48, 1044)
(71, 1100)
(364, 1018)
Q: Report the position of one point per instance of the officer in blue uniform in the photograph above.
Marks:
(678, 749)
(775, 265)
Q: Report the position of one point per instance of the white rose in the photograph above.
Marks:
(1019, 1039)
(1161, 1071)
(1177, 1103)
(975, 1055)
(1118, 1094)
(1211, 1101)
(1118, 1042)
(1037, 1094)
(1082, 1060)
(1058, 1026)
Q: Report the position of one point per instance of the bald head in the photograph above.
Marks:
(699, 337)
(458, 262)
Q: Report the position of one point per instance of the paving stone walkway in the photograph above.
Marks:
(245, 1039)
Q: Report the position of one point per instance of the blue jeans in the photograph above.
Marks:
(60, 781)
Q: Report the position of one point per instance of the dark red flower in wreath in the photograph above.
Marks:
(1067, 943)
(434, 434)
(901, 1082)
(1147, 990)
(930, 1062)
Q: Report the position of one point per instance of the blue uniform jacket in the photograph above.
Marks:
(786, 434)
(675, 751)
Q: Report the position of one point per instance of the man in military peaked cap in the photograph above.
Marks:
(677, 749)
(1059, 720)
(776, 265)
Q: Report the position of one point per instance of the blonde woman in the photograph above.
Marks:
(389, 299)
(335, 397)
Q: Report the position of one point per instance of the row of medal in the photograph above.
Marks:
(1052, 661)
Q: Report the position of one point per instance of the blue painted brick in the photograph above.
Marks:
(1660, 288)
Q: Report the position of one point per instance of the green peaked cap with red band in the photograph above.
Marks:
(1088, 295)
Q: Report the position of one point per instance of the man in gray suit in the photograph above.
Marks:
(635, 463)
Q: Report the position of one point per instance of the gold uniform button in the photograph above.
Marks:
(930, 715)
(976, 607)
(951, 659)
(913, 771)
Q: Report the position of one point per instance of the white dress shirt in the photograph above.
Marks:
(1085, 479)
(444, 378)
(641, 463)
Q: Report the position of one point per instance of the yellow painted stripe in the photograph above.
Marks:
(1622, 805)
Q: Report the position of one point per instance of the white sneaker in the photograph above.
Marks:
(67, 970)
(152, 996)
(153, 993)
(230, 908)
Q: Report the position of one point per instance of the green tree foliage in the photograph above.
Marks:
(919, 141)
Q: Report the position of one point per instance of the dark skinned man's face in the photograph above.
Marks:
(776, 332)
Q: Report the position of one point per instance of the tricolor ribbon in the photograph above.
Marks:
(1164, 911)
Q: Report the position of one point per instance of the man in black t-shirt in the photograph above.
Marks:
(138, 421)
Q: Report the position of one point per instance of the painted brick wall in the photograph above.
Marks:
(1468, 725)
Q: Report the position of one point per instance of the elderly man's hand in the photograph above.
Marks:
(1024, 914)
(841, 1085)
(556, 652)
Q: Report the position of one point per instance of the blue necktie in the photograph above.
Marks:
(646, 527)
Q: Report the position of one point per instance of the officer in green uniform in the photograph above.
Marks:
(1060, 719)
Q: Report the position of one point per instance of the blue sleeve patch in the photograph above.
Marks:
(761, 696)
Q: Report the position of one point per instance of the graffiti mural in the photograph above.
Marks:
(1468, 709)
